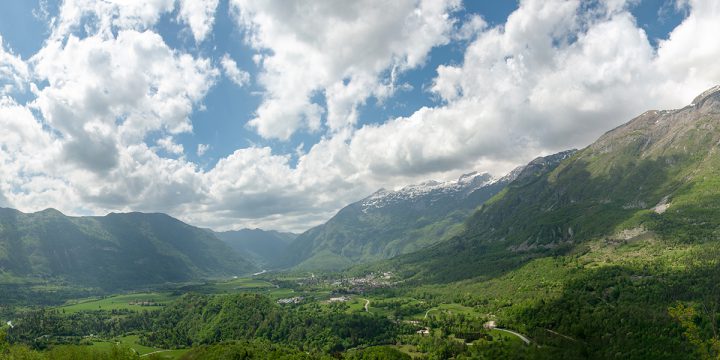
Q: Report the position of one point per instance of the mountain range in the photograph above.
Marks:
(657, 175)
(113, 251)
(262, 247)
(388, 223)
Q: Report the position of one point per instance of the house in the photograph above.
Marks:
(292, 300)
(339, 299)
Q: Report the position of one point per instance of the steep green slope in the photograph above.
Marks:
(389, 223)
(264, 248)
(113, 251)
(657, 173)
(611, 254)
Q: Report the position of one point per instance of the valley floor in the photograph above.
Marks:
(635, 298)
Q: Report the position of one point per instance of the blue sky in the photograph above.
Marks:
(325, 117)
(228, 107)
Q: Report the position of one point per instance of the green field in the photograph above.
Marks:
(411, 350)
(131, 341)
(241, 284)
(455, 309)
(119, 302)
(356, 304)
(403, 306)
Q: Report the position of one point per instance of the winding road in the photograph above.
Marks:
(521, 336)
(367, 304)
(154, 352)
(427, 312)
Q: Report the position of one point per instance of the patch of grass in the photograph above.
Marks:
(411, 350)
(132, 341)
(241, 284)
(120, 302)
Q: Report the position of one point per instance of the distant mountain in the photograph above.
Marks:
(388, 223)
(112, 251)
(657, 174)
(264, 248)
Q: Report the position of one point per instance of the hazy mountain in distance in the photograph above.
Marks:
(264, 248)
(113, 251)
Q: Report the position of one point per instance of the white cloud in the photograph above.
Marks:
(552, 78)
(79, 145)
(26, 156)
(239, 77)
(200, 15)
(470, 28)
(688, 58)
(170, 146)
(14, 71)
(339, 50)
(202, 149)
(102, 17)
(107, 93)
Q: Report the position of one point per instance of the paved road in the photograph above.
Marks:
(521, 336)
(427, 312)
(367, 304)
(154, 352)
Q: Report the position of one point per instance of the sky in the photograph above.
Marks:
(275, 114)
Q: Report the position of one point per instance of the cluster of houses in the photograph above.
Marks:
(292, 300)
(145, 303)
(362, 284)
(339, 299)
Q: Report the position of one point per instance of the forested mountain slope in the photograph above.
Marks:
(112, 251)
(388, 223)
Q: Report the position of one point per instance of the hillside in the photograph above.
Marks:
(658, 173)
(264, 248)
(112, 251)
(613, 253)
(388, 223)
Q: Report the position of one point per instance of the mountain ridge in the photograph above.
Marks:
(391, 222)
(658, 172)
(117, 250)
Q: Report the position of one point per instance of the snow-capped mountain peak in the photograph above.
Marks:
(429, 190)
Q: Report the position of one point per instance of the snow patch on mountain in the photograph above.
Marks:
(429, 190)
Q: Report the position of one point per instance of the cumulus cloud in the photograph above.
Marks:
(14, 72)
(26, 156)
(80, 144)
(239, 77)
(200, 15)
(338, 50)
(104, 93)
(170, 146)
(555, 76)
(102, 17)
(202, 149)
